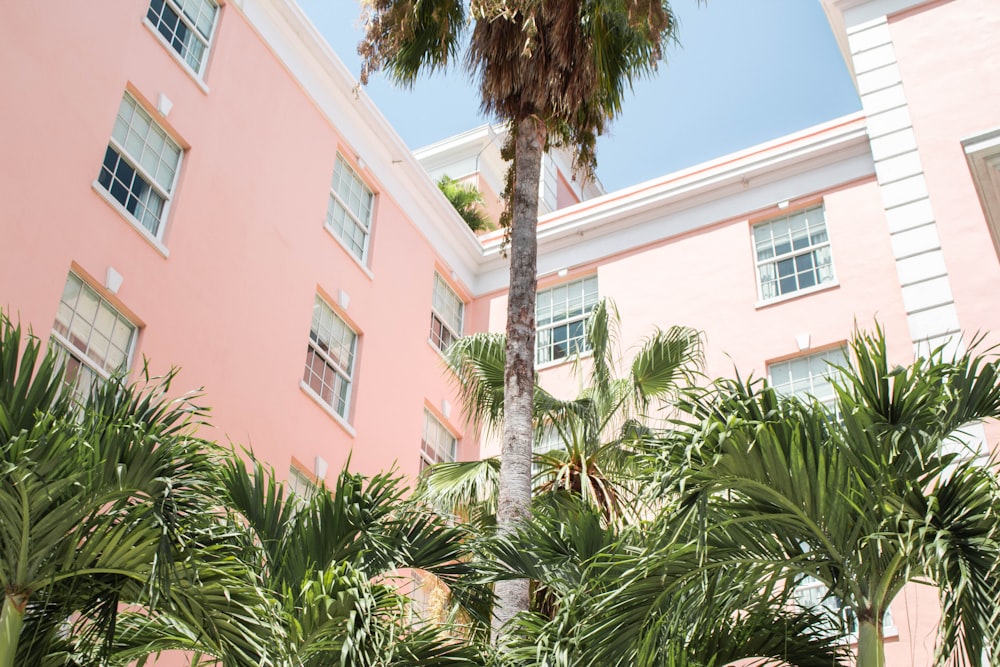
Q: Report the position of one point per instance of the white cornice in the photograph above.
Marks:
(807, 162)
(322, 75)
(845, 15)
(795, 166)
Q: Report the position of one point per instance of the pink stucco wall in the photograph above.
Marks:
(706, 280)
(948, 57)
(248, 251)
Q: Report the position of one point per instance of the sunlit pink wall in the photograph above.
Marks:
(706, 280)
(232, 303)
(948, 57)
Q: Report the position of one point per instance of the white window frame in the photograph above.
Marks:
(810, 593)
(545, 345)
(352, 216)
(823, 274)
(301, 483)
(156, 22)
(65, 343)
(983, 155)
(819, 373)
(318, 350)
(437, 443)
(141, 172)
(445, 328)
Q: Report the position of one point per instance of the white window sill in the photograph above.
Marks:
(130, 219)
(177, 57)
(327, 409)
(795, 295)
(361, 265)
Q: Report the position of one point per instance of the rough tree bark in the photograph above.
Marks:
(514, 500)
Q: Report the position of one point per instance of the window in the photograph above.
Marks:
(808, 376)
(349, 212)
(983, 155)
(91, 337)
(810, 593)
(793, 253)
(187, 27)
(438, 444)
(561, 315)
(140, 166)
(300, 483)
(447, 311)
(330, 358)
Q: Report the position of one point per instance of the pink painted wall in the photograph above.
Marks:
(949, 58)
(706, 280)
(232, 303)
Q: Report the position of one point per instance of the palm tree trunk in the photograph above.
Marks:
(11, 620)
(514, 500)
(871, 651)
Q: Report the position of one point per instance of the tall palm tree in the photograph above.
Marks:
(555, 71)
(590, 442)
(333, 560)
(103, 522)
(868, 497)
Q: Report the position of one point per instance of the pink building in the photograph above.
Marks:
(231, 202)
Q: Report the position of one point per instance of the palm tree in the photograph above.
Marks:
(332, 562)
(555, 71)
(468, 201)
(867, 497)
(590, 442)
(606, 607)
(102, 510)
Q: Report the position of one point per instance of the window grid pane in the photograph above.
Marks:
(561, 315)
(93, 327)
(438, 445)
(140, 165)
(94, 339)
(186, 25)
(349, 210)
(447, 314)
(808, 376)
(330, 358)
(793, 253)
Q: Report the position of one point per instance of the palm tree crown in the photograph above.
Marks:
(866, 498)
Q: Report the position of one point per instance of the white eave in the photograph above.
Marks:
(323, 76)
(793, 166)
(806, 162)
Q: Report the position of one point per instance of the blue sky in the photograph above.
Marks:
(745, 71)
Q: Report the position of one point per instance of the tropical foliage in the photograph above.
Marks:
(337, 564)
(104, 532)
(554, 71)
(468, 201)
(591, 442)
(866, 497)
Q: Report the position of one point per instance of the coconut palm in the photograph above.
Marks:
(591, 442)
(867, 497)
(103, 521)
(336, 563)
(555, 71)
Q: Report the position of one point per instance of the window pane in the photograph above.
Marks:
(140, 154)
(561, 317)
(330, 358)
(93, 333)
(793, 253)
